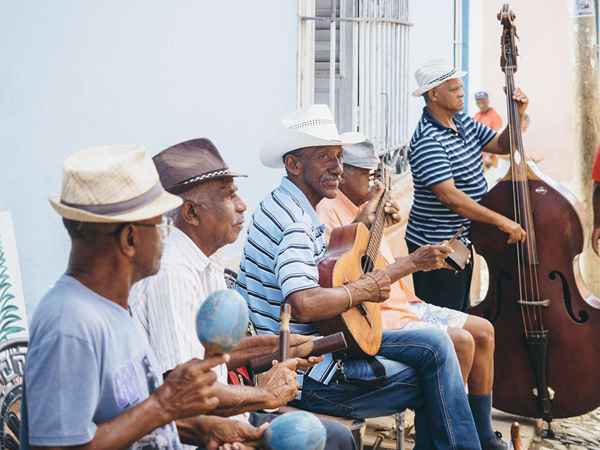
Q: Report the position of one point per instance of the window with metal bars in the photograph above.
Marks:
(353, 56)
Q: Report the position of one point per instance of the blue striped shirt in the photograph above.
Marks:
(437, 154)
(284, 245)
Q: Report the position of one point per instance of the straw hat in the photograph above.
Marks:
(433, 74)
(112, 183)
(309, 127)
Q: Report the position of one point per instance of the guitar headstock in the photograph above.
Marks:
(508, 58)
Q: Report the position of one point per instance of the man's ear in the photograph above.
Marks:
(128, 240)
(189, 213)
(293, 165)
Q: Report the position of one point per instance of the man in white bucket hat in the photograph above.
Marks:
(285, 243)
(447, 169)
(91, 378)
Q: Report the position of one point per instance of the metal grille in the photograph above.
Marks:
(367, 80)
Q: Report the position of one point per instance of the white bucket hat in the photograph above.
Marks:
(110, 184)
(309, 127)
(433, 74)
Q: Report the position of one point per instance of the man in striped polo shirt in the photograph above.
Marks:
(446, 164)
(414, 368)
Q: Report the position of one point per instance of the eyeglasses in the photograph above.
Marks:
(164, 227)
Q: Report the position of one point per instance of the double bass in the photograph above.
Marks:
(547, 325)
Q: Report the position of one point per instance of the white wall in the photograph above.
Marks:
(79, 73)
(431, 38)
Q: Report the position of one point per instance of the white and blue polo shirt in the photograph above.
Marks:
(284, 245)
(437, 154)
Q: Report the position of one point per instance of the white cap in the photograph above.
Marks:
(361, 155)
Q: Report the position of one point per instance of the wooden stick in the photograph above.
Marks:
(321, 346)
(515, 436)
(284, 333)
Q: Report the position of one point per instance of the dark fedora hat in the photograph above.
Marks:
(189, 163)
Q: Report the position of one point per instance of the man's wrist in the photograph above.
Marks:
(163, 413)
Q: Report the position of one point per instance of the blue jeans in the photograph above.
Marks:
(432, 386)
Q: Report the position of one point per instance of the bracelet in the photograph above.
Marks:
(347, 289)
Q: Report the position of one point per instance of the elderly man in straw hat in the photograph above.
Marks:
(447, 169)
(473, 337)
(91, 378)
(286, 240)
(210, 217)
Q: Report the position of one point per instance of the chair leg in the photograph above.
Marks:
(399, 430)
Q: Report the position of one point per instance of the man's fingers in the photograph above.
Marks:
(208, 363)
(291, 363)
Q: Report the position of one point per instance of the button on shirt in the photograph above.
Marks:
(437, 154)
(284, 245)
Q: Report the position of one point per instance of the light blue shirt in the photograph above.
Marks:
(88, 362)
(284, 245)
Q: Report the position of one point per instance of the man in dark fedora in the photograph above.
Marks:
(210, 217)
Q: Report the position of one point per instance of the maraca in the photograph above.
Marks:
(222, 321)
(294, 431)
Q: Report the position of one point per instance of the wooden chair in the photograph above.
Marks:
(12, 367)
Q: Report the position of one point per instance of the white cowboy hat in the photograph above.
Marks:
(309, 127)
(110, 184)
(433, 74)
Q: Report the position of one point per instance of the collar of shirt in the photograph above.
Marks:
(427, 116)
(180, 249)
(302, 201)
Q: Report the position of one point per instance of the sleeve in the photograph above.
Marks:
(62, 382)
(296, 266)
(430, 163)
(171, 310)
(596, 168)
(484, 133)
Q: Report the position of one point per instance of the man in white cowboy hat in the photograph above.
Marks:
(210, 217)
(285, 242)
(91, 378)
(472, 336)
(447, 169)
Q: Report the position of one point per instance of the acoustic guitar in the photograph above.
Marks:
(353, 251)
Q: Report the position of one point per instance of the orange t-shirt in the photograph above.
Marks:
(340, 211)
(490, 118)
(596, 169)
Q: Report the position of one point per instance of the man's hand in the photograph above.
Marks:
(188, 390)
(522, 101)
(391, 208)
(595, 239)
(515, 232)
(280, 382)
(221, 433)
(431, 257)
(372, 287)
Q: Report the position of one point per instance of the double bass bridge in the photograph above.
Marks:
(544, 303)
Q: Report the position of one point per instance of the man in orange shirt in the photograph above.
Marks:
(596, 203)
(486, 115)
(473, 337)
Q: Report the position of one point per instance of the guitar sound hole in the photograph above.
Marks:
(367, 264)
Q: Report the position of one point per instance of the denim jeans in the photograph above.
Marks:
(432, 386)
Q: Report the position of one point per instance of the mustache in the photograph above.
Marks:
(331, 178)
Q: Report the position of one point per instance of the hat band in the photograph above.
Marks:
(213, 174)
(443, 77)
(113, 209)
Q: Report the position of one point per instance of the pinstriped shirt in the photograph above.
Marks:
(284, 245)
(437, 154)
